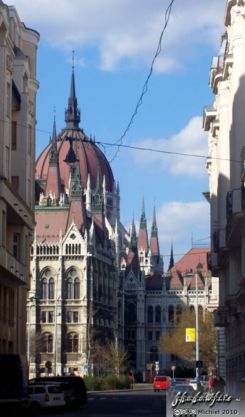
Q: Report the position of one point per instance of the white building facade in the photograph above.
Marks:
(225, 123)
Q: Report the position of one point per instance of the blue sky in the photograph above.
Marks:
(114, 43)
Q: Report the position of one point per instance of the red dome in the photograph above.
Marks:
(91, 160)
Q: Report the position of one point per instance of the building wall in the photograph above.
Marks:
(226, 126)
(18, 87)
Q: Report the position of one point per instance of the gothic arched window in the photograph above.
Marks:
(69, 288)
(47, 343)
(47, 285)
(150, 314)
(77, 288)
(73, 285)
(72, 342)
(44, 286)
(158, 314)
(51, 289)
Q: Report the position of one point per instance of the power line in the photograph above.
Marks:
(145, 86)
(140, 148)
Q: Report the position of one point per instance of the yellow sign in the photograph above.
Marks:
(190, 335)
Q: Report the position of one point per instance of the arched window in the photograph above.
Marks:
(72, 343)
(171, 314)
(77, 288)
(47, 343)
(47, 285)
(69, 288)
(158, 314)
(44, 286)
(150, 314)
(73, 285)
(51, 289)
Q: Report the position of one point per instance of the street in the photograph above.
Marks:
(143, 403)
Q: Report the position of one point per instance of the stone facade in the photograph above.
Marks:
(18, 87)
(225, 123)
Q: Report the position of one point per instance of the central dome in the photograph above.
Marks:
(91, 159)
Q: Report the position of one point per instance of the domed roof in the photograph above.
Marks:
(91, 159)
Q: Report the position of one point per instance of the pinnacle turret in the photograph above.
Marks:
(72, 113)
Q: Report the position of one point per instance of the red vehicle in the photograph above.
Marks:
(161, 382)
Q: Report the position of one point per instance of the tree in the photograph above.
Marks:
(108, 357)
(174, 342)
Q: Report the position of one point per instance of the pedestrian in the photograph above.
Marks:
(210, 383)
(131, 379)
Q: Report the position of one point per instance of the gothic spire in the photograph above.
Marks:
(171, 262)
(133, 241)
(143, 236)
(154, 230)
(53, 177)
(143, 218)
(72, 113)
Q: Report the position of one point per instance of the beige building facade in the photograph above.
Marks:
(18, 88)
(225, 123)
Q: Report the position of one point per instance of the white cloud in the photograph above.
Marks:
(190, 140)
(179, 222)
(126, 31)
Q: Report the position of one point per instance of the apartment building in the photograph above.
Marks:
(18, 88)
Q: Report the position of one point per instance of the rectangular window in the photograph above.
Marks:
(8, 100)
(7, 162)
(43, 316)
(157, 336)
(14, 136)
(4, 228)
(16, 245)
(149, 335)
(69, 316)
(15, 182)
(75, 316)
(50, 316)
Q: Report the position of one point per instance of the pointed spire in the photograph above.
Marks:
(143, 218)
(154, 229)
(53, 184)
(133, 241)
(143, 235)
(171, 262)
(54, 134)
(72, 113)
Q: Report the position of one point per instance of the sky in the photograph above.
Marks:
(114, 43)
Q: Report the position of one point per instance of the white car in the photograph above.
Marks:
(45, 396)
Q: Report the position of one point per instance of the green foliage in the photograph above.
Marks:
(109, 382)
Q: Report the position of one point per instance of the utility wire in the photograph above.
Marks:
(145, 86)
(140, 148)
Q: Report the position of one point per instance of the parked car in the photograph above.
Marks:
(45, 396)
(76, 382)
(13, 382)
(67, 389)
(161, 382)
(188, 389)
